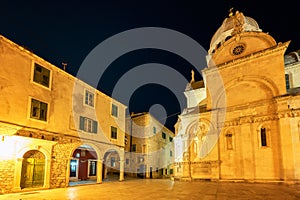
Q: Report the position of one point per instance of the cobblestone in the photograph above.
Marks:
(164, 189)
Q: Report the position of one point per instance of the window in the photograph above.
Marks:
(133, 148)
(287, 81)
(229, 141)
(89, 98)
(112, 162)
(93, 168)
(88, 125)
(170, 139)
(154, 130)
(171, 153)
(38, 110)
(163, 135)
(263, 137)
(41, 75)
(114, 110)
(114, 132)
(127, 161)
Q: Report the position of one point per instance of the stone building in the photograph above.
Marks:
(149, 147)
(54, 128)
(242, 122)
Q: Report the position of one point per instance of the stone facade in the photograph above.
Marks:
(243, 123)
(149, 147)
(46, 111)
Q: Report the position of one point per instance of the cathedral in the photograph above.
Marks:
(242, 121)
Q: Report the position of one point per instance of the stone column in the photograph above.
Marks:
(99, 171)
(47, 173)
(122, 164)
(18, 174)
(121, 170)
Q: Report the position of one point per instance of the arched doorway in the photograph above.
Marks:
(83, 166)
(111, 166)
(33, 169)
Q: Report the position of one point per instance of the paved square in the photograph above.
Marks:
(164, 189)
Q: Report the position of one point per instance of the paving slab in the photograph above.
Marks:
(164, 189)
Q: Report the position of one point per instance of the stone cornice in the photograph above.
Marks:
(207, 162)
(259, 119)
(247, 58)
(292, 65)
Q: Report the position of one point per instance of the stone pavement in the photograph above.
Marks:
(165, 189)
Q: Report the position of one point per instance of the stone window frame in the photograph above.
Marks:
(89, 169)
(86, 98)
(154, 129)
(113, 132)
(39, 83)
(114, 110)
(30, 110)
(267, 136)
(88, 125)
(133, 147)
(163, 135)
(229, 139)
(288, 82)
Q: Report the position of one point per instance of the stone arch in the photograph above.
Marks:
(266, 85)
(113, 163)
(25, 149)
(33, 170)
(84, 163)
(202, 132)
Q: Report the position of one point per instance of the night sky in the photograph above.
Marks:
(66, 31)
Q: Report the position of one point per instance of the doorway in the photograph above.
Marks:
(33, 169)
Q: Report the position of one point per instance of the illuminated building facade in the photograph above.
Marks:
(54, 128)
(149, 147)
(243, 121)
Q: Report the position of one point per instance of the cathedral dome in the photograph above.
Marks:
(233, 24)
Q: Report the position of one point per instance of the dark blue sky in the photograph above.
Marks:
(66, 31)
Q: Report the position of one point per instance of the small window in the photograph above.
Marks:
(133, 148)
(93, 168)
(88, 125)
(171, 153)
(127, 161)
(263, 137)
(114, 110)
(114, 132)
(38, 110)
(41, 75)
(287, 81)
(170, 139)
(229, 142)
(154, 130)
(163, 135)
(89, 98)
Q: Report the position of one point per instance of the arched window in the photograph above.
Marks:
(263, 137)
(229, 141)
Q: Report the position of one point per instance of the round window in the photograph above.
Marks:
(238, 49)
